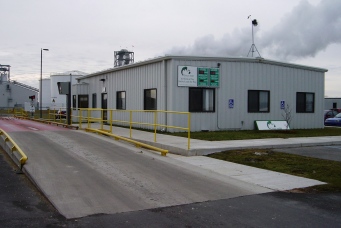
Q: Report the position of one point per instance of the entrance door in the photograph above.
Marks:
(105, 105)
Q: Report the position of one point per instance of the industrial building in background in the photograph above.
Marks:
(220, 93)
(332, 103)
(50, 97)
(13, 93)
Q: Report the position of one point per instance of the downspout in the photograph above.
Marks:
(165, 89)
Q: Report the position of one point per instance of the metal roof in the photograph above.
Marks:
(204, 58)
(67, 73)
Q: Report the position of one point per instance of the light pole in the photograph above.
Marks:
(41, 81)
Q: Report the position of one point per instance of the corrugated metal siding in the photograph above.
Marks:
(15, 95)
(133, 81)
(328, 103)
(236, 78)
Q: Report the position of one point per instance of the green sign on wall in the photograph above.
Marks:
(214, 77)
(203, 76)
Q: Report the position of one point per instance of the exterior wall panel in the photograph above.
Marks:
(13, 95)
(328, 103)
(236, 78)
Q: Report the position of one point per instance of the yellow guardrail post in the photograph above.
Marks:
(189, 130)
(102, 117)
(130, 121)
(155, 122)
(80, 118)
(88, 116)
(110, 121)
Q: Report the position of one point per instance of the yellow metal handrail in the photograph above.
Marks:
(137, 144)
(86, 115)
(15, 147)
(55, 116)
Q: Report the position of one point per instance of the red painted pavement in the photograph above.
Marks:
(10, 124)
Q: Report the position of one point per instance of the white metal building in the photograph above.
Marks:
(221, 93)
(330, 103)
(50, 95)
(15, 94)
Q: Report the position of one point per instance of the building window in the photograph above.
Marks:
(74, 103)
(83, 101)
(150, 99)
(121, 100)
(94, 100)
(258, 101)
(305, 102)
(201, 100)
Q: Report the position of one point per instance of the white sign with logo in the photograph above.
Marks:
(272, 125)
(187, 76)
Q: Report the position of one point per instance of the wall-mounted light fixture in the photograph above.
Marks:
(218, 65)
(102, 80)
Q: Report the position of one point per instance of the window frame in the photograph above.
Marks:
(121, 102)
(74, 101)
(148, 100)
(196, 99)
(301, 104)
(80, 103)
(251, 107)
(94, 100)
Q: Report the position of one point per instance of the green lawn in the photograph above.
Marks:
(313, 168)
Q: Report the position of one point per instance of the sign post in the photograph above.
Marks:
(65, 88)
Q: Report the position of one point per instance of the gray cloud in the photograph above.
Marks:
(228, 45)
(303, 32)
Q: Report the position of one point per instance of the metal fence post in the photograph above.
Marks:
(110, 120)
(189, 130)
(130, 121)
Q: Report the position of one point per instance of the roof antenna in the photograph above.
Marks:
(253, 46)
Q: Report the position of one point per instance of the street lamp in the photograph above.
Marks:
(41, 81)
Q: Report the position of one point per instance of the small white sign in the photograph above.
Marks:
(272, 125)
(187, 76)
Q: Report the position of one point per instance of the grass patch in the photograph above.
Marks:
(253, 134)
(313, 168)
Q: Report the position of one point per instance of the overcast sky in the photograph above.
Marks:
(83, 34)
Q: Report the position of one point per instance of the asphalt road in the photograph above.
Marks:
(322, 152)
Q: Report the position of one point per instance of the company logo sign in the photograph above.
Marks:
(187, 76)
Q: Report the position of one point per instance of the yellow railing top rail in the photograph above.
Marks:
(85, 115)
(125, 110)
(15, 147)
